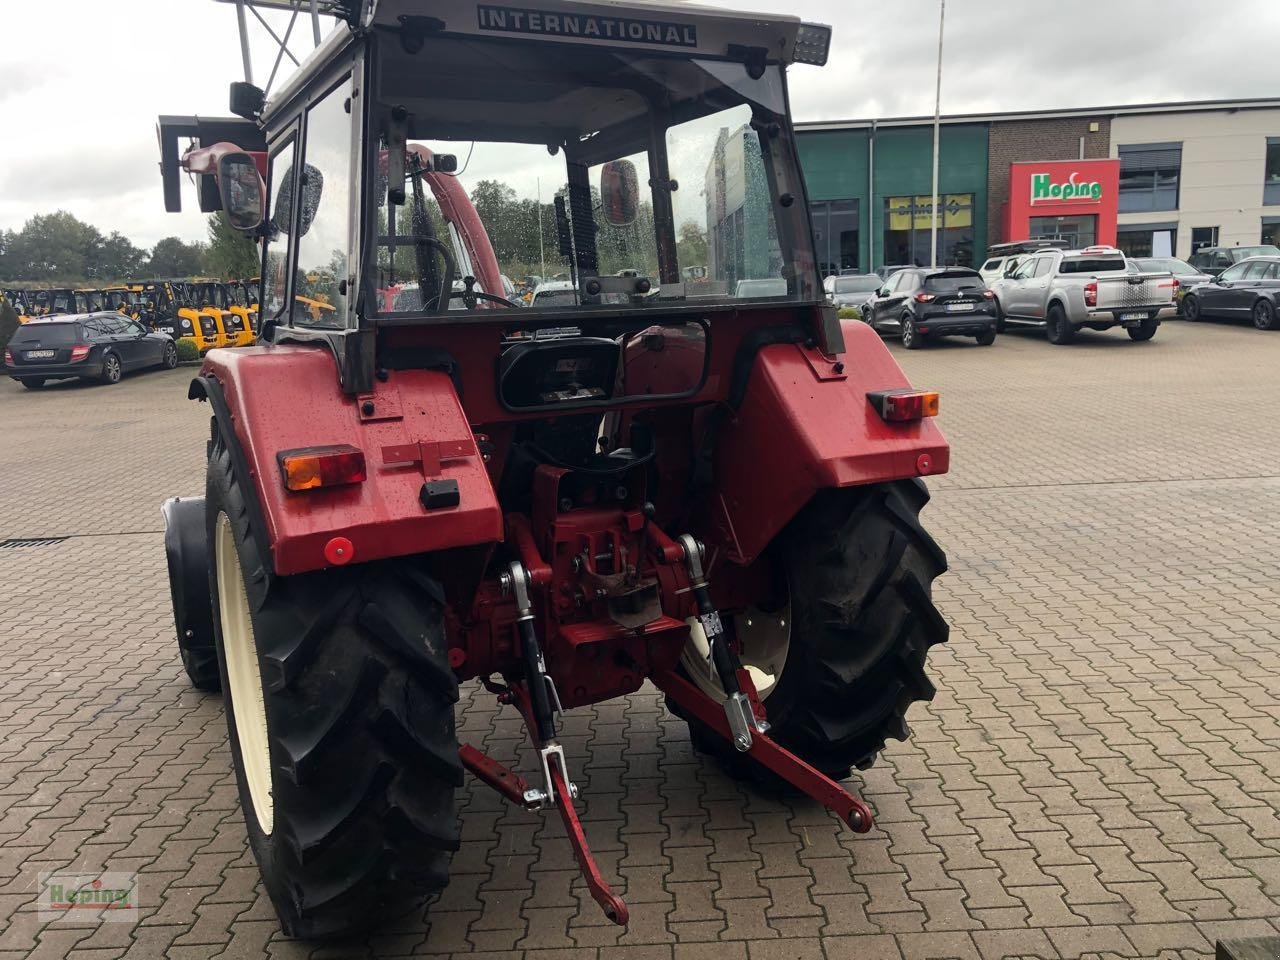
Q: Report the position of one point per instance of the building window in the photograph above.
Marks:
(1146, 239)
(835, 235)
(907, 223)
(1203, 237)
(1271, 230)
(1149, 176)
(1271, 176)
(1078, 231)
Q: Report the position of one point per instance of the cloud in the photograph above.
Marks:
(80, 127)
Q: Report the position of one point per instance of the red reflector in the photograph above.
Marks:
(899, 406)
(312, 467)
(79, 353)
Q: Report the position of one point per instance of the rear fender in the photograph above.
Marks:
(186, 553)
(803, 427)
(411, 429)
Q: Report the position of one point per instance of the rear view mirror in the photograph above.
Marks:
(619, 192)
(241, 189)
(312, 185)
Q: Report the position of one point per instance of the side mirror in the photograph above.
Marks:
(882, 292)
(619, 192)
(242, 192)
(311, 183)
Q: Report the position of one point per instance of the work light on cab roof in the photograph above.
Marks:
(546, 395)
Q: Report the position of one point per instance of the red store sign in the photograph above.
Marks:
(1079, 196)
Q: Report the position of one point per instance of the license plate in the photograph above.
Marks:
(1133, 316)
(40, 354)
(959, 307)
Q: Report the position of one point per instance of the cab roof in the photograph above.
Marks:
(670, 25)
(665, 26)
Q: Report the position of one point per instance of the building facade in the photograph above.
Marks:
(1159, 179)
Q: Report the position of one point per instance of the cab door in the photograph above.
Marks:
(1036, 288)
(1013, 293)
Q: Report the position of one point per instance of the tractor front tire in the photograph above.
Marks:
(858, 569)
(339, 704)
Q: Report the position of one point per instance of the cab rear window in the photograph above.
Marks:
(1092, 265)
(49, 334)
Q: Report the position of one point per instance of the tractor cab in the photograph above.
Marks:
(676, 464)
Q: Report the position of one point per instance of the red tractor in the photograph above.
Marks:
(711, 486)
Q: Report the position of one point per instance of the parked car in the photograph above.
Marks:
(1003, 258)
(851, 291)
(554, 293)
(98, 346)
(767, 287)
(919, 303)
(1213, 260)
(1186, 275)
(1250, 288)
(885, 272)
(1064, 291)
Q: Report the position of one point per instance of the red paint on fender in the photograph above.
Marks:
(286, 397)
(796, 434)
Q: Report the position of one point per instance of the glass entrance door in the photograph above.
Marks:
(1079, 231)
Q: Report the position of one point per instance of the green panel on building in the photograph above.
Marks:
(853, 232)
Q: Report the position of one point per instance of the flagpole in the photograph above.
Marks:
(937, 116)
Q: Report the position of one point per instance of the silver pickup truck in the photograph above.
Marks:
(1066, 290)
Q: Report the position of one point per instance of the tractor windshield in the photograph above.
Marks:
(605, 178)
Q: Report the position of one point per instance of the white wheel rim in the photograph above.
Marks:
(243, 675)
(765, 639)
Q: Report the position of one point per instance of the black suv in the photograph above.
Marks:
(97, 346)
(1213, 260)
(920, 302)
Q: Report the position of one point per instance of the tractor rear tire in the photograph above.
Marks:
(341, 682)
(859, 568)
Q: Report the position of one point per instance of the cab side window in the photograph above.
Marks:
(1042, 265)
(1234, 273)
(274, 280)
(320, 292)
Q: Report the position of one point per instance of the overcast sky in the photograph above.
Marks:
(83, 81)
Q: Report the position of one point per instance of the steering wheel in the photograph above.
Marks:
(481, 295)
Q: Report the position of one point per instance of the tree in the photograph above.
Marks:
(230, 254)
(8, 322)
(171, 257)
(114, 259)
(691, 245)
(51, 247)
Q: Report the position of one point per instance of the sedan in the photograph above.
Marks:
(1186, 275)
(1250, 288)
(851, 291)
(918, 303)
(98, 346)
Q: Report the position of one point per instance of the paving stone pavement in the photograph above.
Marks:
(1098, 775)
